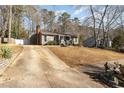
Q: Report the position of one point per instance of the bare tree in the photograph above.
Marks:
(10, 22)
(94, 24)
(4, 20)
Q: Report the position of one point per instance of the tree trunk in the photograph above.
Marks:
(94, 25)
(10, 22)
(101, 21)
(5, 23)
(18, 27)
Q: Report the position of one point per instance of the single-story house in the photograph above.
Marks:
(90, 42)
(42, 38)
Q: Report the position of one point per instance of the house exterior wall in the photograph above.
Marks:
(0, 40)
(19, 42)
(110, 44)
(75, 41)
(46, 38)
(90, 42)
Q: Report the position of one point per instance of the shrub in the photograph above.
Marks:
(6, 52)
(51, 43)
(118, 41)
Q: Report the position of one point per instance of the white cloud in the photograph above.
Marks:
(59, 12)
(80, 10)
(82, 18)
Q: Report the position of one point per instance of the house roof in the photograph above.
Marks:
(51, 33)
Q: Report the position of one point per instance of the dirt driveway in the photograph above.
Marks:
(38, 67)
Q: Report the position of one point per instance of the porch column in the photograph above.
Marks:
(59, 39)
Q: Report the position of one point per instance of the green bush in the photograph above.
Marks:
(6, 52)
(118, 41)
(51, 43)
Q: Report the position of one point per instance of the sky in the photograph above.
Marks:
(81, 13)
